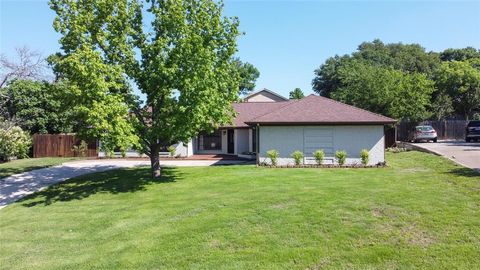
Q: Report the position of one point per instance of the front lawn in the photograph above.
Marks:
(28, 164)
(420, 212)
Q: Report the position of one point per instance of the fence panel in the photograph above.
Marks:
(60, 145)
(390, 137)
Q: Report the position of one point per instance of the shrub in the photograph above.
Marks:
(364, 156)
(341, 156)
(172, 150)
(81, 149)
(273, 155)
(319, 155)
(14, 142)
(297, 156)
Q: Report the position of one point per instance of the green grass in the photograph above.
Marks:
(28, 164)
(421, 212)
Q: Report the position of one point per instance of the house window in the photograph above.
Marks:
(211, 141)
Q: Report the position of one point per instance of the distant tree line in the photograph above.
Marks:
(404, 81)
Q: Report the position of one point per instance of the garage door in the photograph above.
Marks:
(315, 138)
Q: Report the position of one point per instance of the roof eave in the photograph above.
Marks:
(333, 123)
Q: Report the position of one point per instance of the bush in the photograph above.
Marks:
(14, 142)
(364, 155)
(172, 150)
(341, 156)
(81, 149)
(273, 155)
(319, 155)
(297, 156)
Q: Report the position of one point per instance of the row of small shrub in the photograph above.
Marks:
(319, 156)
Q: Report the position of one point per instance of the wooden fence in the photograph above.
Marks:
(390, 136)
(446, 129)
(61, 145)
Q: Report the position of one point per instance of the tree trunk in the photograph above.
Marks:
(155, 163)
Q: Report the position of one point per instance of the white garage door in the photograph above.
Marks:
(315, 138)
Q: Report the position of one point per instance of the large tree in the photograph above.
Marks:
(179, 54)
(408, 58)
(248, 76)
(460, 81)
(37, 106)
(462, 54)
(385, 90)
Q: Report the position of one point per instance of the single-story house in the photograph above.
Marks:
(266, 120)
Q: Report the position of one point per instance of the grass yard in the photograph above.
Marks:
(28, 164)
(421, 212)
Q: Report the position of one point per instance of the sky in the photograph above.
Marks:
(288, 40)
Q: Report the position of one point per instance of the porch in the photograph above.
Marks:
(239, 142)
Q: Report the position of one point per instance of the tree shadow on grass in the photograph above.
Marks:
(466, 172)
(114, 182)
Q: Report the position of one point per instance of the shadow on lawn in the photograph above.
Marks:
(466, 172)
(114, 182)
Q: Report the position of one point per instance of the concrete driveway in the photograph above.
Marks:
(466, 154)
(17, 186)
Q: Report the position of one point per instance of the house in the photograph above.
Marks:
(266, 120)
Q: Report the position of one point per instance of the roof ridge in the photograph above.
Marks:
(289, 103)
(357, 108)
(267, 90)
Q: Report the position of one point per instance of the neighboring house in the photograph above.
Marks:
(266, 120)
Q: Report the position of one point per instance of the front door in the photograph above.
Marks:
(230, 141)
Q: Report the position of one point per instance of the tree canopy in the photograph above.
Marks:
(403, 81)
(182, 62)
(297, 93)
(37, 106)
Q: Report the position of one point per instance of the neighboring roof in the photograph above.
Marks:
(313, 110)
(267, 91)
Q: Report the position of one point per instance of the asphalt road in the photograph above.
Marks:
(466, 154)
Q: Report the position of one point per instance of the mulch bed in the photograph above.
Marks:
(352, 166)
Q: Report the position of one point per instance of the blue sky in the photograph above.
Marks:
(288, 40)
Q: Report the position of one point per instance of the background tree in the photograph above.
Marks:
(296, 94)
(461, 81)
(462, 54)
(385, 90)
(183, 63)
(30, 65)
(339, 76)
(248, 76)
(37, 106)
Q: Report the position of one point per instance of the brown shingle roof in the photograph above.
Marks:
(247, 111)
(310, 110)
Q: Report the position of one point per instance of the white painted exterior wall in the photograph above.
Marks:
(354, 138)
(242, 141)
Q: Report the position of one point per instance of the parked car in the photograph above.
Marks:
(472, 131)
(423, 133)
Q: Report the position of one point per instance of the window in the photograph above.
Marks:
(212, 141)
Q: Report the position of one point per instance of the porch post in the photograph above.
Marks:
(257, 146)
